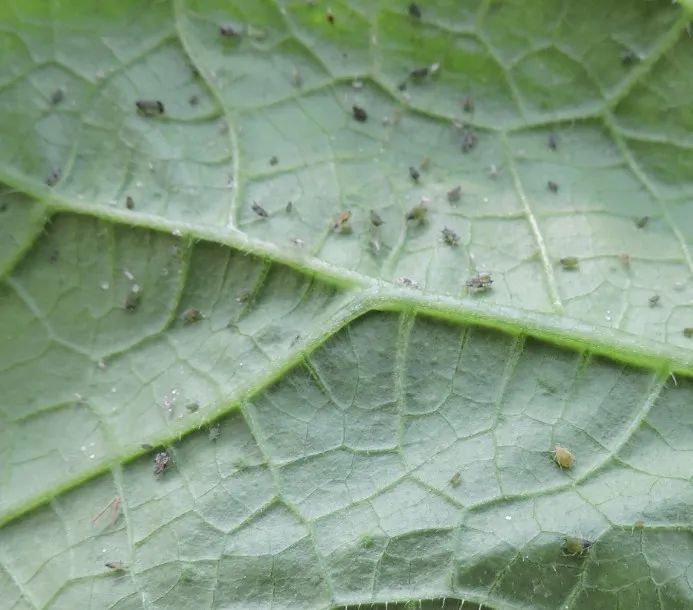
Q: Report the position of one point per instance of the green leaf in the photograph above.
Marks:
(235, 402)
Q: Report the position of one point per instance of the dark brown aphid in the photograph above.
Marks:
(289, 207)
(259, 210)
(192, 315)
(359, 114)
(229, 30)
(57, 96)
(419, 73)
(274, 160)
(641, 223)
(193, 100)
(133, 298)
(569, 263)
(115, 506)
(414, 10)
(563, 457)
(628, 58)
(456, 479)
(376, 221)
(414, 173)
(343, 224)
(150, 107)
(129, 203)
(481, 282)
(468, 104)
(654, 300)
(553, 141)
(418, 213)
(329, 15)
(469, 139)
(454, 194)
(576, 547)
(688, 332)
(552, 186)
(450, 237)
(53, 177)
(115, 566)
(402, 86)
(161, 462)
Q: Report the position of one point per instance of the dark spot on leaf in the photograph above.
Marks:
(259, 210)
(150, 107)
(53, 177)
(454, 194)
(469, 139)
(553, 141)
(552, 186)
(414, 173)
(129, 203)
(57, 96)
(274, 160)
(414, 10)
(376, 221)
(569, 263)
(642, 222)
(654, 300)
(229, 30)
(193, 100)
(468, 104)
(359, 114)
(329, 15)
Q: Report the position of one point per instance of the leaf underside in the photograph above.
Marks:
(348, 424)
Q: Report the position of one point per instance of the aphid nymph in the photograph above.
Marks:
(57, 96)
(274, 160)
(342, 224)
(552, 186)
(563, 457)
(641, 223)
(192, 315)
(53, 177)
(653, 300)
(414, 10)
(414, 173)
(359, 114)
(229, 30)
(115, 566)
(161, 462)
(454, 194)
(450, 237)
(376, 220)
(133, 298)
(150, 107)
(688, 332)
(456, 479)
(329, 15)
(418, 213)
(259, 210)
(480, 282)
(569, 263)
(129, 203)
(468, 104)
(469, 139)
(576, 547)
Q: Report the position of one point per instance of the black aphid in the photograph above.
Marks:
(552, 186)
(641, 223)
(193, 100)
(53, 177)
(454, 194)
(414, 173)
(329, 15)
(150, 107)
(628, 58)
(274, 160)
(229, 30)
(129, 203)
(359, 114)
(376, 221)
(133, 298)
(654, 300)
(259, 210)
(289, 207)
(414, 10)
(469, 139)
(419, 73)
(57, 96)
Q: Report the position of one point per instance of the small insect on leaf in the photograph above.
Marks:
(259, 210)
(115, 566)
(414, 173)
(456, 479)
(409, 283)
(688, 332)
(469, 139)
(376, 220)
(57, 96)
(329, 15)
(289, 207)
(450, 237)
(414, 10)
(569, 263)
(274, 160)
(53, 177)
(553, 141)
(628, 58)
(214, 433)
(115, 506)
(193, 100)
(418, 213)
(418, 74)
(481, 282)
(552, 186)
(229, 30)
(129, 203)
(133, 298)
(192, 407)
(192, 315)
(454, 194)
(563, 457)
(641, 223)
(359, 114)
(576, 547)
(150, 107)
(468, 104)
(162, 461)
(343, 224)
(654, 300)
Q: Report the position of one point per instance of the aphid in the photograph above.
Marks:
(480, 282)
(193, 100)
(575, 547)
(628, 58)
(53, 177)
(553, 141)
(229, 30)
(329, 15)
(129, 203)
(161, 462)
(57, 96)
(414, 10)
(418, 213)
(133, 298)
(115, 566)
(259, 210)
(191, 315)
(359, 114)
(402, 86)
(563, 457)
(654, 300)
(289, 207)
(468, 104)
(642, 222)
(409, 283)
(414, 173)
(367, 541)
(569, 263)
(115, 505)
(296, 78)
(214, 433)
(469, 139)
(688, 332)
(192, 407)
(456, 479)
(425, 164)
(376, 221)
(342, 224)
(419, 73)
(150, 107)
(274, 160)
(639, 524)
(450, 237)
(552, 186)
(454, 194)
